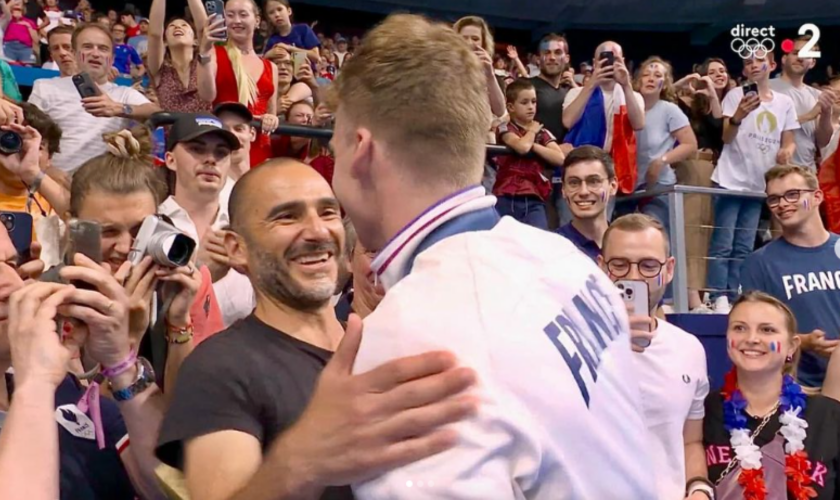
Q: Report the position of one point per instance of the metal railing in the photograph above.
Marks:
(676, 213)
(676, 198)
(166, 118)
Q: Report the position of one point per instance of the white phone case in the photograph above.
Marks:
(636, 295)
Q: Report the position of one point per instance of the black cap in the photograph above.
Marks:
(236, 108)
(190, 126)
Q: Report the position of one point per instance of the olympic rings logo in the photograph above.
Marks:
(753, 47)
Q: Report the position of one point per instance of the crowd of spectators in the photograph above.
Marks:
(243, 373)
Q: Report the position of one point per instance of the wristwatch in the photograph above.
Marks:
(204, 59)
(128, 110)
(734, 122)
(145, 378)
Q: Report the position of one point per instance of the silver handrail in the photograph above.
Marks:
(676, 214)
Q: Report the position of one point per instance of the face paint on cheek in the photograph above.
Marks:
(805, 204)
(659, 279)
(659, 85)
(732, 344)
(764, 67)
(604, 197)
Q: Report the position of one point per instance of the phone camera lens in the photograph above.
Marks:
(621, 286)
(8, 221)
(629, 292)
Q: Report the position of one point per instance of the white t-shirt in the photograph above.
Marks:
(234, 293)
(81, 137)
(546, 332)
(744, 161)
(804, 99)
(674, 383)
(609, 103)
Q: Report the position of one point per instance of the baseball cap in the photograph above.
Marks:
(236, 108)
(341, 39)
(190, 126)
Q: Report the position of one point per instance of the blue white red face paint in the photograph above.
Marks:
(659, 279)
(603, 197)
(775, 346)
(805, 204)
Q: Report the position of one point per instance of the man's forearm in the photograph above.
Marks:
(573, 112)
(143, 415)
(635, 113)
(281, 477)
(825, 129)
(29, 446)
(142, 112)
(695, 460)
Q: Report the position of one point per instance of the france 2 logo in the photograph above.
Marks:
(757, 42)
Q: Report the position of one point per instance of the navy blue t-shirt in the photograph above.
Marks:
(584, 244)
(86, 472)
(301, 36)
(808, 281)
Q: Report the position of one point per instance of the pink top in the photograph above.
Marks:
(18, 31)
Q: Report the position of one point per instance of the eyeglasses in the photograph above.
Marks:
(791, 196)
(592, 182)
(620, 267)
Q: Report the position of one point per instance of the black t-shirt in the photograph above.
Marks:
(250, 378)
(822, 442)
(550, 106)
(707, 129)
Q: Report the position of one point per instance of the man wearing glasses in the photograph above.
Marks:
(589, 186)
(802, 268)
(671, 363)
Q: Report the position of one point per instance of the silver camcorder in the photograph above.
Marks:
(167, 246)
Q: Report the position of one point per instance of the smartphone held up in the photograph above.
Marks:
(216, 10)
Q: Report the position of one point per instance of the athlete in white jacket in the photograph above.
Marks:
(560, 415)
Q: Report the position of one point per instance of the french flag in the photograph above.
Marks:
(830, 186)
(591, 130)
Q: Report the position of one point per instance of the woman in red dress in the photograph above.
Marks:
(237, 73)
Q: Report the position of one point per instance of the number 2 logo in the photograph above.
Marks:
(807, 50)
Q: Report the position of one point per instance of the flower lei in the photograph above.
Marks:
(792, 405)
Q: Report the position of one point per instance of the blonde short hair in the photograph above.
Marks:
(636, 223)
(487, 42)
(418, 87)
(780, 171)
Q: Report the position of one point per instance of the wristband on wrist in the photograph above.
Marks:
(145, 378)
(35, 185)
(179, 334)
(702, 485)
(120, 367)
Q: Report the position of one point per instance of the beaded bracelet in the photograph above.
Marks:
(121, 367)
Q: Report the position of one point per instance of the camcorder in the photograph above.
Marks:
(165, 244)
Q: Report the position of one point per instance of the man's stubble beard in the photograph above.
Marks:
(272, 276)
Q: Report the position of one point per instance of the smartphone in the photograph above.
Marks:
(85, 85)
(217, 8)
(298, 60)
(608, 55)
(636, 297)
(19, 226)
(84, 237)
(750, 87)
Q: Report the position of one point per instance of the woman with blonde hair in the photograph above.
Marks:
(764, 437)
(477, 33)
(236, 73)
(666, 139)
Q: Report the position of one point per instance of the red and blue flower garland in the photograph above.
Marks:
(792, 402)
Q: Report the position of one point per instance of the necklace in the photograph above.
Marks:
(792, 403)
(761, 426)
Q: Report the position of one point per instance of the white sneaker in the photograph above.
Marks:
(702, 309)
(721, 305)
